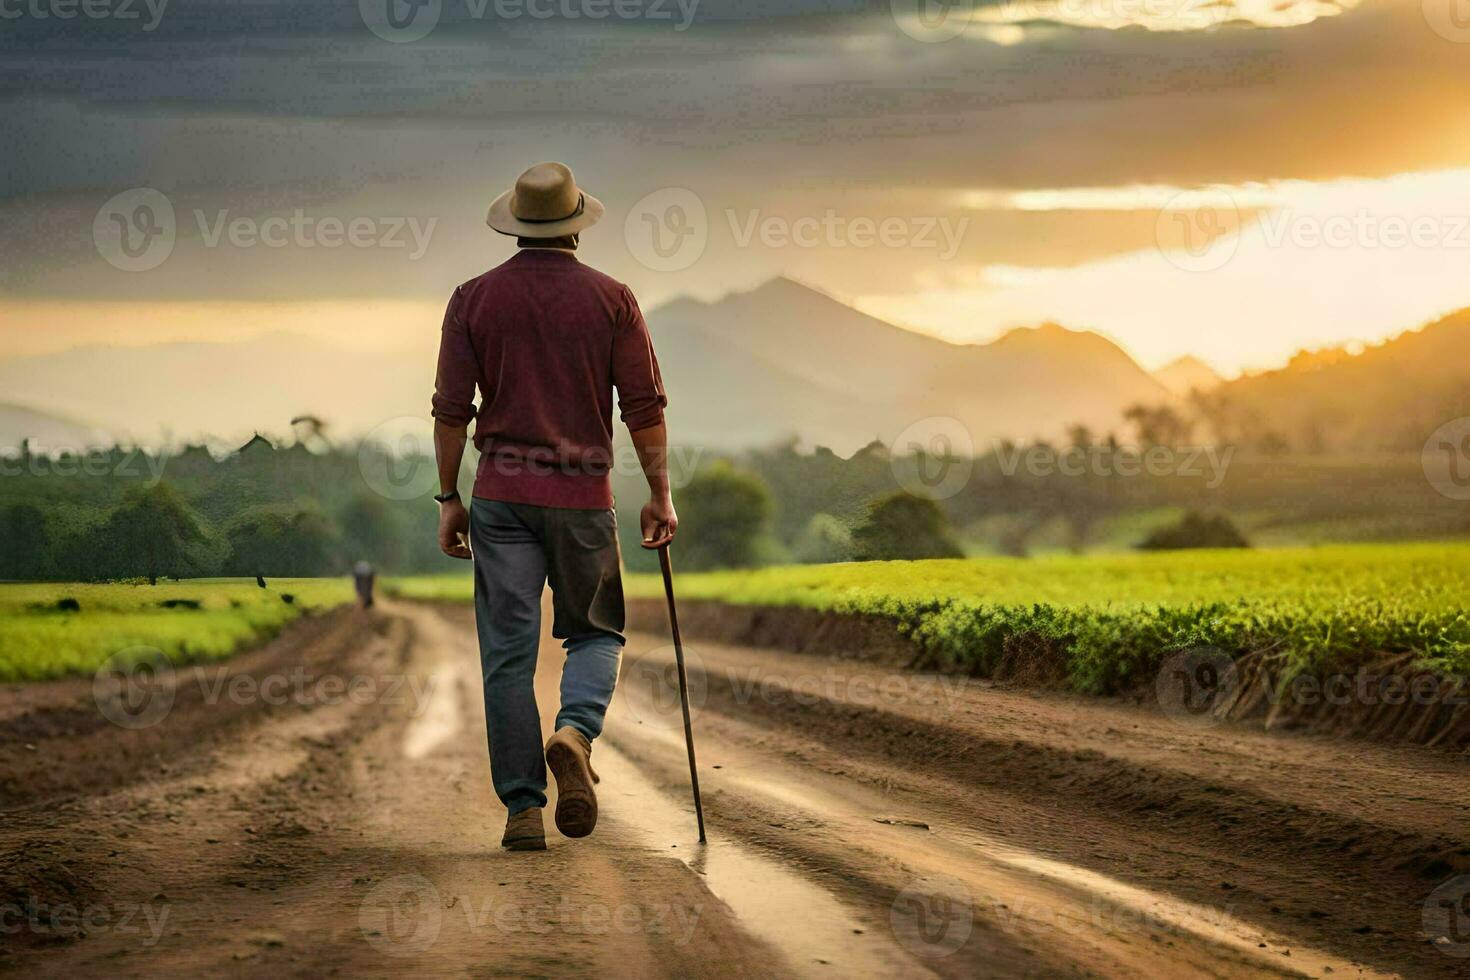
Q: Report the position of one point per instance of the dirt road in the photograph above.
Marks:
(322, 806)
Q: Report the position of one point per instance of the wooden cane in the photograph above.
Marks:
(663, 560)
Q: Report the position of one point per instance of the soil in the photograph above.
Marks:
(322, 806)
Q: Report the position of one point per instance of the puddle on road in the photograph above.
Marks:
(811, 927)
(1053, 901)
(441, 719)
(1128, 904)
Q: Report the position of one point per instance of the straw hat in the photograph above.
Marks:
(545, 203)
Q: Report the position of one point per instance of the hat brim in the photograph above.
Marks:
(500, 218)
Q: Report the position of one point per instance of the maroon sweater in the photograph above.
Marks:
(546, 339)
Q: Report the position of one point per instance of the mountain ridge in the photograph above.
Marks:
(1188, 374)
(684, 302)
(1388, 396)
(872, 377)
(782, 360)
(47, 431)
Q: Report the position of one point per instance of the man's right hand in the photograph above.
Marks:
(659, 522)
(454, 529)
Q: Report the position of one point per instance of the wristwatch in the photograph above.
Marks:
(445, 498)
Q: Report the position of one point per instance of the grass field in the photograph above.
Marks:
(1112, 616)
(39, 640)
(1115, 616)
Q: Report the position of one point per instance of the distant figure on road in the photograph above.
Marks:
(546, 340)
(362, 580)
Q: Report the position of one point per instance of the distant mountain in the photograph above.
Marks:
(780, 361)
(1188, 374)
(1388, 397)
(47, 433)
(226, 390)
(787, 360)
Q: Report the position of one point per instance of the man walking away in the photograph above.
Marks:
(547, 340)
(362, 581)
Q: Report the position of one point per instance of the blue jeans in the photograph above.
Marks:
(519, 548)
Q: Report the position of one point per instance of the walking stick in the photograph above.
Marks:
(663, 561)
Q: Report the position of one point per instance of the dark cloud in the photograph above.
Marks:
(259, 109)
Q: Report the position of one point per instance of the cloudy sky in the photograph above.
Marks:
(1232, 178)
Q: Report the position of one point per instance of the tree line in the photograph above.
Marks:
(296, 511)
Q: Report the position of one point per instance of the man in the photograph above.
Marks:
(546, 339)
(362, 580)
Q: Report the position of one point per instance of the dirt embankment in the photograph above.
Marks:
(1381, 696)
(67, 746)
(872, 639)
(72, 736)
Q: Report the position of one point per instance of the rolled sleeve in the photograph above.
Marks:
(641, 398)
(458, 372)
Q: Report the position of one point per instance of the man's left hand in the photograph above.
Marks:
(454, 530)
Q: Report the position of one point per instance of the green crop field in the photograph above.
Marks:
(40, 638)
(1114, 617)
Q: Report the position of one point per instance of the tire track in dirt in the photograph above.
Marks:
(339, 835)
(1281, 833)
(350, 836)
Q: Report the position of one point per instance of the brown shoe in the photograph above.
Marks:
(569, 755)
(525, 831)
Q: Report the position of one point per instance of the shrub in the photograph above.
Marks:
(1196, 530)
(824, 540)
(903, 526)
(282, 539)
(724, 514)
(153, 532)
(26, 543)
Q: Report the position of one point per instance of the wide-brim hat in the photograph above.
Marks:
(545, 203)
